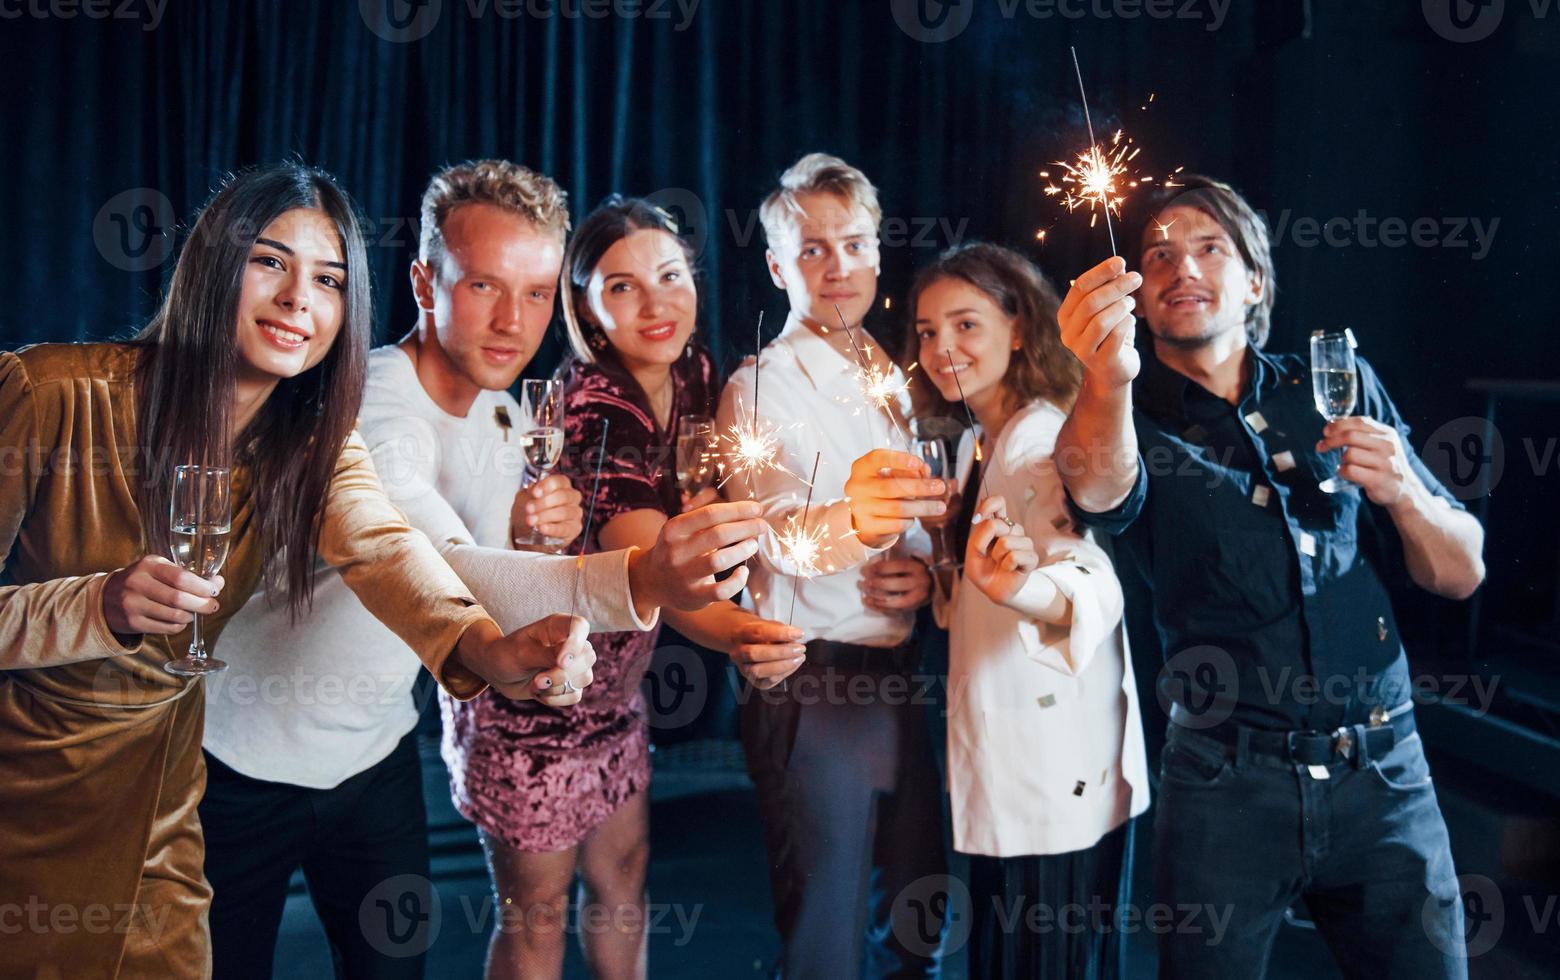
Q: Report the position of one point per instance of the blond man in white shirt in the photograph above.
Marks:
(839, 754)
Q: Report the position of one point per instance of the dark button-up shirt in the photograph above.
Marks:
(1268, 601)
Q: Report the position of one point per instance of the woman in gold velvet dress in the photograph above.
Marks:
(255, 361)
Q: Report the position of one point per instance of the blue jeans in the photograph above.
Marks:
(1241, 837)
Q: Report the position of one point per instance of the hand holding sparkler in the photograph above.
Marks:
(887, 491)
(879, 386)
(690, 550)
(1098, 325)
(549, 661)
(1000, 556)
(765, 651)
(895, 584)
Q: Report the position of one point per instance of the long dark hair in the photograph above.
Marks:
(614, 219)
(186, 378)
(1041, 367)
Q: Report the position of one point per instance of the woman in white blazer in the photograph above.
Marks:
(1046, 762)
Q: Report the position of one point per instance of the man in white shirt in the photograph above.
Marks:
(309, 735)
(839, 755)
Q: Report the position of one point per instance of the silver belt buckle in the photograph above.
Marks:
(1379, 716)
(1343, 741)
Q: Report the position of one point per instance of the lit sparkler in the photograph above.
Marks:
(755, 448)
(802, 547)
(1100, 177)
(878, 385)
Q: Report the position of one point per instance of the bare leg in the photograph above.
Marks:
(613, 859)
(532, 893)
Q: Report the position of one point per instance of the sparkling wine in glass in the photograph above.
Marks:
(541, 403)
(1334, 383)
(200, 512)
(695, 461)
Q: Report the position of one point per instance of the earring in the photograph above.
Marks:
(597, 342)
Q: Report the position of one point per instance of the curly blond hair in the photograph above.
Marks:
(503, 184)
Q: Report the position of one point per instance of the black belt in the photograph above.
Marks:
(1309, 747)
(861, 659)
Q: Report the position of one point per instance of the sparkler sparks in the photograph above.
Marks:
(755, 448)
(878, 385)
(1100, 176)
(801, 546)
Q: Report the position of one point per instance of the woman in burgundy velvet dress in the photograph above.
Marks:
(560, 792)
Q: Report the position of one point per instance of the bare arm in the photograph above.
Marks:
(1443, 546)
(764, 651)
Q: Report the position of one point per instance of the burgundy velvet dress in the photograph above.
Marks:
(538, 778)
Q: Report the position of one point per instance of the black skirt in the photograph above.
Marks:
(1051, 916)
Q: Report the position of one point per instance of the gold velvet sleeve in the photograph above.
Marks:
(58, 621)
(396, 572)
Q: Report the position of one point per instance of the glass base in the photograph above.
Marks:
(541, 544)
(194, 666)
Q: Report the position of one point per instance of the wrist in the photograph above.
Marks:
(1413, 502)
(643, 584)
(472, 648)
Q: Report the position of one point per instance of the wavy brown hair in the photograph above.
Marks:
(187, 374)
(1041, 367)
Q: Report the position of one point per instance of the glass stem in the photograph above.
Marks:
(197, 649)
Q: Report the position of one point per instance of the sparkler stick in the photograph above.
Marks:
(803, 546)
(970, 416)
(590, 516)
(1094, 149)
(758, 349)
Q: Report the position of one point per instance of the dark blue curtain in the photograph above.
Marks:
(115, 128)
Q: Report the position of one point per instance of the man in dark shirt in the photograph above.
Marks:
(1292, 767)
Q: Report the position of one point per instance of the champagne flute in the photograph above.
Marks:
(541, 402)
(200, 514)
(933, 451)
(1334, 383)
(695, 454)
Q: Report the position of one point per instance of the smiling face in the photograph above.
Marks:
(293, 298)
(952, 315)
(642, 295)
(490, 293)
(1196, 290)
(827, 257)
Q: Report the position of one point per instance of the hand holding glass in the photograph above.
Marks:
(1334, 383)
(200, 514)
(696, 446)
(541, 402)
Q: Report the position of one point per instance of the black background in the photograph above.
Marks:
(1317, 111)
